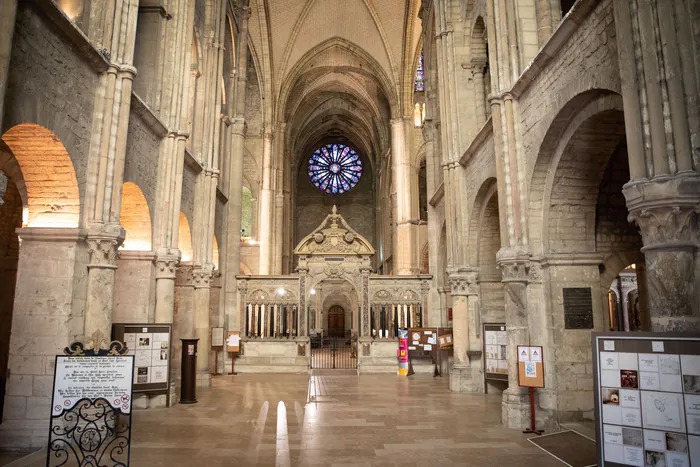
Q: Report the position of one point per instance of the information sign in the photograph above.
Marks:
(91, 410)
(496, 351)
(530, 366)
(217, 337)
(233, 341)
(647, 399)
(150, 344)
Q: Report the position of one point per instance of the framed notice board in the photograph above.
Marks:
(496, 352)
(422, 341)
(530, 366)
(647, 399)
(151, 346)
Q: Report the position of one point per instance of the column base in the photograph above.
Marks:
(204, 380)
(468, 380)
(515, 408)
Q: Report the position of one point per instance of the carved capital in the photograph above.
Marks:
(534, 273)
(103, 243)
(514, 263)
(201, 277)
(166, 264)
(463, 282)
(241, 12)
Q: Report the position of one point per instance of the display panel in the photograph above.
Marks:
(496, 351)
(647, 398)
(150, 344)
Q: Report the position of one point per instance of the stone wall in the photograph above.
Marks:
(46, 73)
(134, 296)
(141, 163)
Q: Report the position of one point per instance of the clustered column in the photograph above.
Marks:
(662, 122)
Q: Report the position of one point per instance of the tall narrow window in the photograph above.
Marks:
(419, 80)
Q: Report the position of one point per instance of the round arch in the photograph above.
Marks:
(135, 218)
(39, 165)
(184, 239)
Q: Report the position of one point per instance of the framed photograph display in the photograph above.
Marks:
(151, 346)
(647, 399)
(496, 352)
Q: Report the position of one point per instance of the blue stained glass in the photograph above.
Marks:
(335, 168)
(418, 82)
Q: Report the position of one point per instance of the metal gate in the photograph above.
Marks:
(333, 353)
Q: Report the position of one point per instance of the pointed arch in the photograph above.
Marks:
(184, 239)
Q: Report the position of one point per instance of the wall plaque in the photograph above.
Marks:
(150, 344)
(578, 308)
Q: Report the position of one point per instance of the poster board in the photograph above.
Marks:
(445, 340)
(422, 341)
(233, 341)
(94, 392)
(151, 346)
(496, 352)
(530, 366)
(217, 337)
(647, 399)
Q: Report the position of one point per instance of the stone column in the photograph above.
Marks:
(464, 377)
(406, 224)
(660, 90)
(202, 283)
(8, 13)
(166, 266)
(103, 251)
(266, 208)
(667, 214)
(513, 263)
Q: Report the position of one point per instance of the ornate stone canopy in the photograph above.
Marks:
(334, 237)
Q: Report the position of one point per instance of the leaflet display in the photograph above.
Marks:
(496, 351)
(150, 344)
(647, 399)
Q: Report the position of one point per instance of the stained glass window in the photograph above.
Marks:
(418, 83)
(335, 168)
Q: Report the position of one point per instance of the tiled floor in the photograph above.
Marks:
(290, 420)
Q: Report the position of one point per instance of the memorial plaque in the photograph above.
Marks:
(578, 308)
(91, 411)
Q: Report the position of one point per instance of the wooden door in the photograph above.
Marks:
(336, 321)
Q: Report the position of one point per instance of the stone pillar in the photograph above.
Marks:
(202, 284)
(513, 263)
(8, 13)
(667, 214)
(166, 265)
(46, 319)
(660, 90)
(405, 258)
(266, 208)
(232, 258)
(464, 377)
(103, 250)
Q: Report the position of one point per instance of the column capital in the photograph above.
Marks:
(514, 263)
(242, 12)
(167, 260)
(463, 281)
(201, 276)
(103, 241)
(666, 210)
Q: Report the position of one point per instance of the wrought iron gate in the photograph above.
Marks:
(334, 353)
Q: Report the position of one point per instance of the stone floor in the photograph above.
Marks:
(331, 420)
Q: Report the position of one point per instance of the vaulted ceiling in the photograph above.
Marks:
(335, 67)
